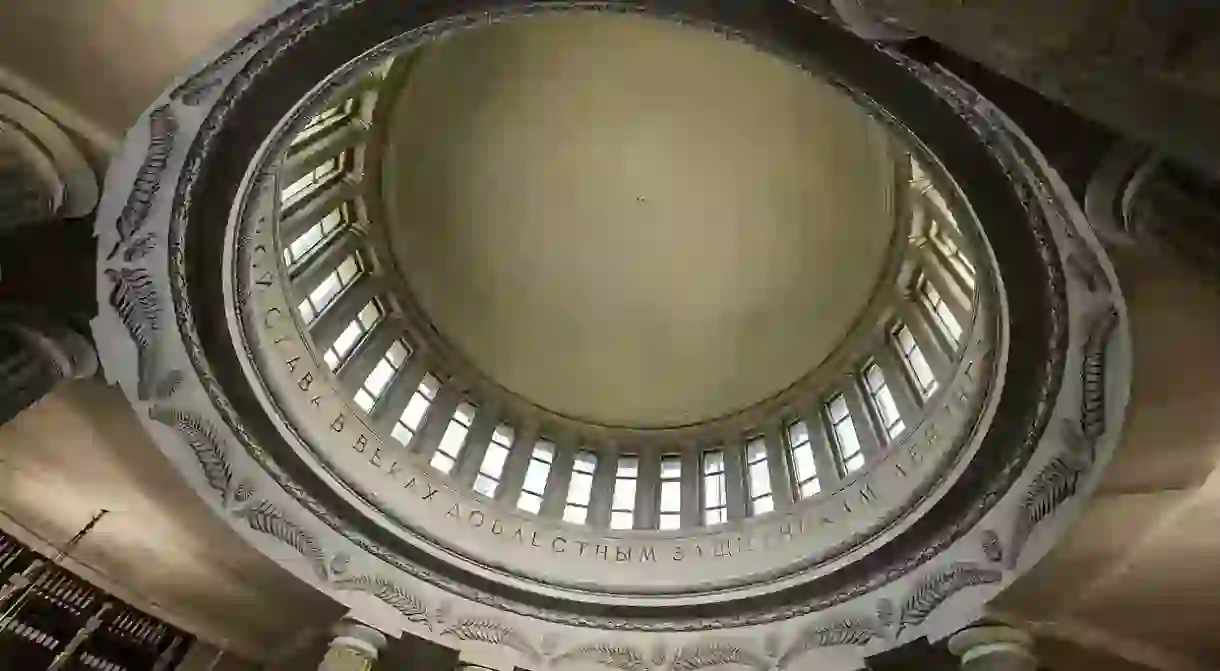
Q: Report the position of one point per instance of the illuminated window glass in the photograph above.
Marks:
(580, 488)
(844, 431)
(492, 468)
(313, 237)
(417, 407)
(671, 491)
(803, 465)
(622, 501)
(758, 477)
(944, 316)
(328, 289)
(883, 400)
(958, 259)
(917, 364)
(364, 322)
(450, 447)
(536, 476)
(327, 118)
(715, 494)
(378, 380)
(311, 181)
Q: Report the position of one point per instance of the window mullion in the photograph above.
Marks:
(560, 478)
(648, 491)
(395, 399)
(931, 343)
(314, 208)
(824, 457)
(902, 390)
(603, 489)
(339, 315)
(368, 354)
(782, 490)
(477, 440)
(735, 479)
(936, 270)
(692, 486)
(430, 431)
(518, 463)
(866, 424)
(323, 148)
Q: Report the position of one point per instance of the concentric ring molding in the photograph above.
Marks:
(175, 361)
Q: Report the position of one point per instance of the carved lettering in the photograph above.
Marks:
(316, 401)
(375, 458)
(268, 321)
(582, 545)
(679, 555)
(394, 468)
(866, 494)
(431, 492)
(410, 483)
(496, 527)
(534, 540)
(721, 549)
(305, 382)
(361, 444)
(337, 425)
(648, 553)
(785, 530)
(519, 535)
(602, 550)
(901, 471)
(699, 550)
(555, 547)
(292, 364)
(265, 280)
(620, 555)
(453, 511)
(281, 339)
(481, 520)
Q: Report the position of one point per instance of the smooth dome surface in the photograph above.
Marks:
(633, 222)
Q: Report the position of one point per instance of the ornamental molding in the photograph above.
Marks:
(152, 345)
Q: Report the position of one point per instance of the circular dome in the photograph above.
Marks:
(276, 301)
(642, 236)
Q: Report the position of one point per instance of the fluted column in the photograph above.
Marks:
(994, 648)
(354, 648)
(35, 357)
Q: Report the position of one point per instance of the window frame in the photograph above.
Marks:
(549, 463)
(619, 480)
(798, 481)
(577, 469)
(890, 430)
(720, 476)
(832, 429)
(662, 512)
(752, 498)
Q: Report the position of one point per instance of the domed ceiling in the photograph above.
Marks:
(633, 222)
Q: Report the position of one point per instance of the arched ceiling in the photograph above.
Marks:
(633, 222)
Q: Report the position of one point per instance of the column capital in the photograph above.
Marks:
(355, 647)
(996, 647)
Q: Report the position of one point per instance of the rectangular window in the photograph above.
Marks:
(844, 430)
(311, 181)
(715, 495)
(323, 295)
(364, 322)
(758, 477)
(958, 259)
(492, 468)
(313, 237)
(450, 447)
(622, 501)
(536, 476)
(379, 380)
(803, 465)
(327, 118)
(917, 364)
(883, 401)
(417, 407)
(944, 316)
(581, 486)
(671, 491)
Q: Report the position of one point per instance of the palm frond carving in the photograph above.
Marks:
(845, 631)
(937, 587)
(705, 655)
(210, 450)
(388, 592)
(134, 297)
(162, 126)
(491, 631)
(615, 656)
(266, 518)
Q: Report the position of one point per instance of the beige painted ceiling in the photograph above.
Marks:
(633, 222)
